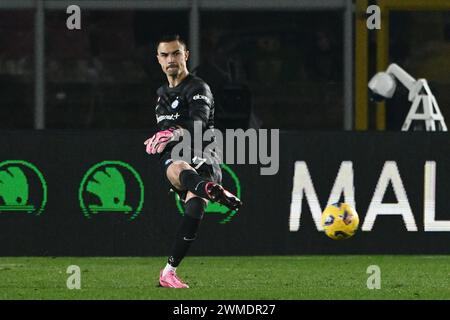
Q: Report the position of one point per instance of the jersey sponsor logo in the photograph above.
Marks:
(199, 96)
(167, 117)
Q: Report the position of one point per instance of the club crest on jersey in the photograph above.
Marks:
(175, 104)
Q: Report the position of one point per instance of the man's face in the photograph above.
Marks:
(172, 57)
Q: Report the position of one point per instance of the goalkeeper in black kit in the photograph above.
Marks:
(183, 101)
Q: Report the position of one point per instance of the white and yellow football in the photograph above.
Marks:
(340, 221)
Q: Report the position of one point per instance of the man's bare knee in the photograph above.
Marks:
(174, 170)
(177, 167)
(190, 195)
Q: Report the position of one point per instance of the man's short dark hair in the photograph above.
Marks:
(170, 38)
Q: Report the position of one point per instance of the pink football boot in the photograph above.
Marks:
(217, 193)
(170, 280)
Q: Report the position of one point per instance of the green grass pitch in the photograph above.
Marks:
(268, 277)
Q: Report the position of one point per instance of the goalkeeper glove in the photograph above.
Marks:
(159, 140)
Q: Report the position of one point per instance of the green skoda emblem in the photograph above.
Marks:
(22, 188)
(111, 187)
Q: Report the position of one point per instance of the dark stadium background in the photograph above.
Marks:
(269, 68)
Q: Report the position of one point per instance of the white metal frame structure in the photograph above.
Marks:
(431, 113)
(384, 84)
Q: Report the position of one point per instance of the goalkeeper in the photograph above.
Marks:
(185, 99)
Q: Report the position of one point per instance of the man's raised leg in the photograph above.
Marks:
(184, 177)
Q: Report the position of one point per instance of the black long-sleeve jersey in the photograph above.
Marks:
(191, 100)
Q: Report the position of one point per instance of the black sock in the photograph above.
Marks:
(193, 182)
(187, 231)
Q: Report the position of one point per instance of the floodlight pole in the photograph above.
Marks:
(39, 62)
(348, 65)
(194, 35)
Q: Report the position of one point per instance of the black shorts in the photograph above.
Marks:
(209, 170)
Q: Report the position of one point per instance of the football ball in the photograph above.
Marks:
(340, 221)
